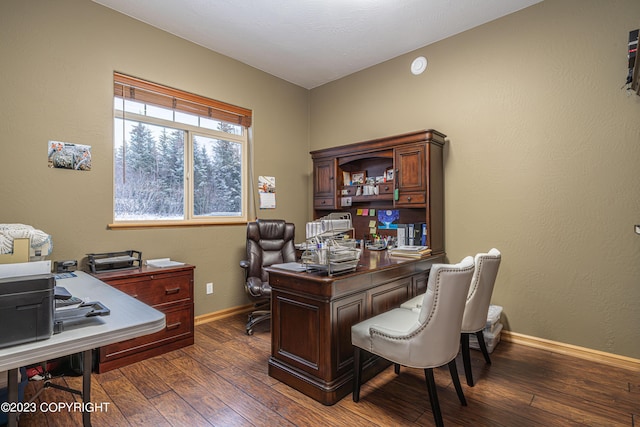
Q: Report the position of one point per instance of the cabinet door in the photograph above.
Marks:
(410, 162)
(411, 174)
(390, 295)
(324, 184)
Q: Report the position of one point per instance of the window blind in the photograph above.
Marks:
(136, 89)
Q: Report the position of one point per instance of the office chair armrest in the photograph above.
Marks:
(255, 287)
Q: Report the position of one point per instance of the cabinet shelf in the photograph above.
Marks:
(372, 198)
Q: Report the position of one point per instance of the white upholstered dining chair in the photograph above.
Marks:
(425, 339)
(476, 307)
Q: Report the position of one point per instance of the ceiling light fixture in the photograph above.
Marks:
(418, 65)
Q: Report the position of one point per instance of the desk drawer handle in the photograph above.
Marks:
(171, 291)
(173, 326)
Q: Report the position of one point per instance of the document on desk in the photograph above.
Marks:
(291, 266)
(163, 262)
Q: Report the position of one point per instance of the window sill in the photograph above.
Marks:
(173, 224)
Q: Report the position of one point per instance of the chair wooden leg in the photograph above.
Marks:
(466, 358)
(396, 368)
(357, 373)
(483, 347)
(456, 381)
(433, 397)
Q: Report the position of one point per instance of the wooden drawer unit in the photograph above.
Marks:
(169, 290)
(323, 203)
(409, 199)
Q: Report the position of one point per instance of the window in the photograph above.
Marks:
(179, 159)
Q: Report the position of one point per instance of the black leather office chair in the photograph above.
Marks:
(269, 241)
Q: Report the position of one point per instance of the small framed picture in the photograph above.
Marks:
(388, 173)
(346, 178)
(358, 177)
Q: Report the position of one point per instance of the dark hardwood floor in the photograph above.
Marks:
(222, 380)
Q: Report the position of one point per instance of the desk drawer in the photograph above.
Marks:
(157, 289)
(411, 199)
(179, 326)
(385, 188)
(323, 203)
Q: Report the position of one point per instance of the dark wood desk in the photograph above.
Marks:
(312, 315)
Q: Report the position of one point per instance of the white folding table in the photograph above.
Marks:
(129, 318)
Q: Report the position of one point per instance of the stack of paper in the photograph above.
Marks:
(163, 263)
(410, 251)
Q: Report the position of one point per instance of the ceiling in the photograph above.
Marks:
(313, 42)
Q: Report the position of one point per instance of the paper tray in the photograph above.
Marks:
(83, 311)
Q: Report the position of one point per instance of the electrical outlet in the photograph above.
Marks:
(209, 288)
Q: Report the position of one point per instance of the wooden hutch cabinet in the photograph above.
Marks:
(413, 162)
(169, 290)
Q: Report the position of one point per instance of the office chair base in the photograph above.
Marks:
(255, 318)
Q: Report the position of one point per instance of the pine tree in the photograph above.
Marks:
(228, 176)
(141, 151)
(203, 182)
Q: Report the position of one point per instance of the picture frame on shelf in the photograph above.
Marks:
(346, 178)
(388, 173)
(358, 178)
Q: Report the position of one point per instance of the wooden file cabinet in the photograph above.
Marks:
(169, 290)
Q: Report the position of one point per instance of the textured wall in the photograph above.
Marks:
(57, 68)
(542, 161)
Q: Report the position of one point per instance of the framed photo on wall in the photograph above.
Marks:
(358, 177)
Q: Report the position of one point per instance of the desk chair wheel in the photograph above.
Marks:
(256, 317)
(249, 326)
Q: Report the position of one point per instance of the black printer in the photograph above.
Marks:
(26, 309)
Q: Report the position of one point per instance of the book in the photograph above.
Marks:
(418, 233)
(410, 251)
(403, 234)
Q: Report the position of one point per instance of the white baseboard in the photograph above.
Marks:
(572, 350)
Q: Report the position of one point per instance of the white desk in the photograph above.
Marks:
(129, 318)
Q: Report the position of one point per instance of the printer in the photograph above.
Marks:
(26, 309)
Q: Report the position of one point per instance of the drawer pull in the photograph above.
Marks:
(171, 291)
(173, 326)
